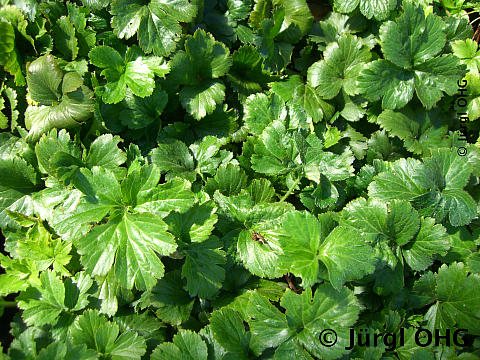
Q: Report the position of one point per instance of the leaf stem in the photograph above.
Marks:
(7, 303)
(290, 283)
(289, 192)
(471, 23)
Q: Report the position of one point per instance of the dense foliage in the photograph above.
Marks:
(225, 179)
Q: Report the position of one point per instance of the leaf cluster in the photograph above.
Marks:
(225, 179)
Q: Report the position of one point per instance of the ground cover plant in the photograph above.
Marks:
(239, 179)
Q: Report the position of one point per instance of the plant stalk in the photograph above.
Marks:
(290, 191)
(7, 303)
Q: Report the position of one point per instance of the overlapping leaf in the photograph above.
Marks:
(379, 9)
(340, 68)
(454, 294)
(198, 68)
(398, 223)
(156, 22)
(104, 337)
(295, 333)
(413, 62)
(308, 242)
(434, 187)
(64, 101)
(135, 72)
(53, 296)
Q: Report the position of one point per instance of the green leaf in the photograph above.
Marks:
(473, 263)
(19, 180)
(172, 303)
(104, 152)
(260, 312)
(58, 111)
(139, 78)
(434, 187)
(457, 300)
(458, 28)
(301, 245)
(175, 158)
(324, 195)
(261, 191)
(96, 4)
(382, 79)
(44, 250)
(64, 36)
(229, 180)
(105, 57)
(75, 213)
(19, 274)
(445, 170)
(202, 268)
(210, 58)
(60, 157)
(412, 46)
(18, 174)
(403, 223)
(59, 351)
(260, 110)
(297, 22)
(343, 61)
(11, 95)
(9, 55)
(369, 217)
(203, 61)
(306, 244)
(431, 239)
(260, 11)
(334, 167)
(44, 79)
(284, 88)
(75, 108)
(259, 247)
(229, 331)
(462, 208)
(277, 54)
(53, 297)
(346, 259)
(260, 258)
(135, 72)
(397, 182)
(142, 112)
(97, 333)
(48, 307)
(377, 8)
(155, 22)
(467, 52)
(437, 75)
(202, 99)
(380, 9)
(194, 225)
(276, 153)
(412, 39)
(247, 74)
(186, 345)
(129, 244)
(421, 131)
(108, 290)
(174, 195)
(310, 100)
(305, 317)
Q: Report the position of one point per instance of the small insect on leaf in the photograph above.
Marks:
(257, 237)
